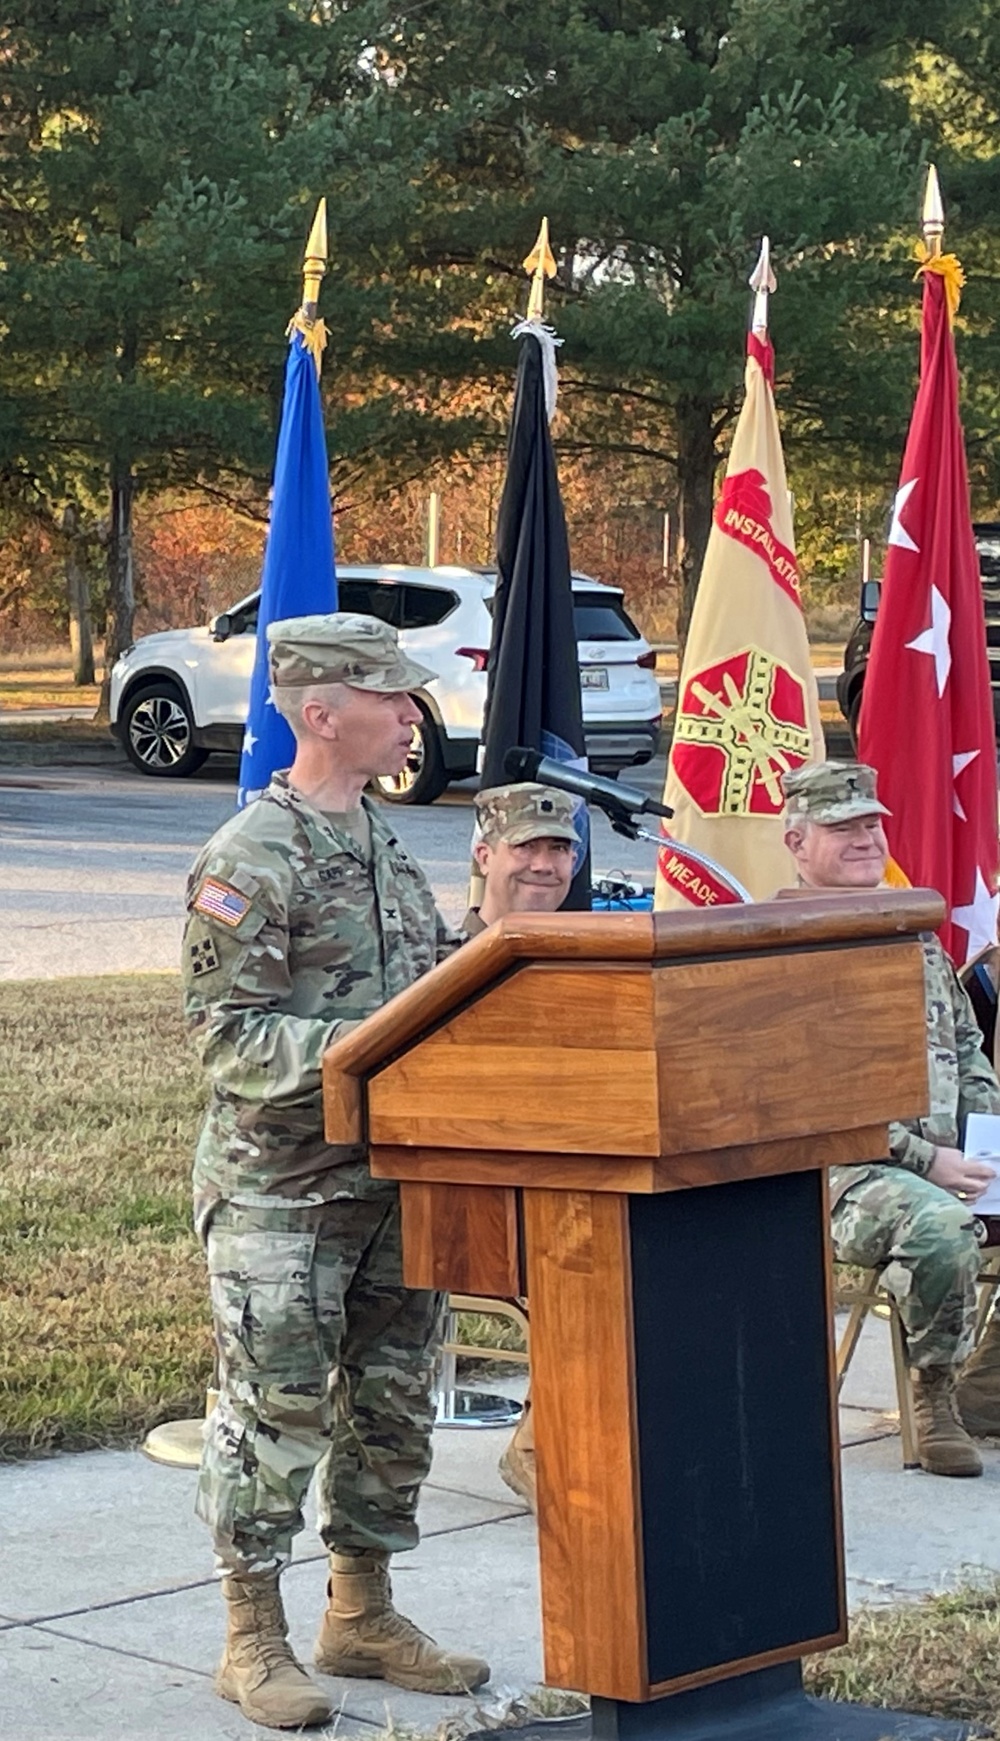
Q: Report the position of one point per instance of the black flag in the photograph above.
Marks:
(533, 681)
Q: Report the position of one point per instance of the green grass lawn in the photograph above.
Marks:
(103, 1320)
(104, 1326)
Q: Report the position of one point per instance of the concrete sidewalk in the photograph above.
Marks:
(110, 1622)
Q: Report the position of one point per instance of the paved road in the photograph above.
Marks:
(93, 861)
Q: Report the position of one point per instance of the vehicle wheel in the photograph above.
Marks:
(424, 777)
(158, 732)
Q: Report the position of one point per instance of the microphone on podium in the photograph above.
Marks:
(522, 764)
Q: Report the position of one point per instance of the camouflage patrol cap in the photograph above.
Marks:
(342, 647)
(829, 792)
(526, 811)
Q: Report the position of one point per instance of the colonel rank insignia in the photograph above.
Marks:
(204, 957)
(741, 723)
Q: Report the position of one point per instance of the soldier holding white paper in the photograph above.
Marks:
(912, 1216)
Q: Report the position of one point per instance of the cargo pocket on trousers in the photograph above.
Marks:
(263, 1306)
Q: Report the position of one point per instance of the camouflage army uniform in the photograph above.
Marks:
(294, 930)
(892, 1215)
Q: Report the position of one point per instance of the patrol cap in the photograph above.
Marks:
(523, 812)
(831, 792)
(342, 647)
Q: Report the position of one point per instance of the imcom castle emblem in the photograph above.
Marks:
(741, 723)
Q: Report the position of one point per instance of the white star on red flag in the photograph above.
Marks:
(935, 639)
(897, 531)
(979, 918)
(957, 765)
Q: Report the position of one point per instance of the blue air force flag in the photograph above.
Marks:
(299, 575)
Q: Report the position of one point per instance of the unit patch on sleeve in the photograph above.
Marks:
(218, 901)
(204, 957)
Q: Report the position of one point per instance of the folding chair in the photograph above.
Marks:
(468, 1408)
(873, 1297)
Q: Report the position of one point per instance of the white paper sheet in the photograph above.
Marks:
(982, 1143)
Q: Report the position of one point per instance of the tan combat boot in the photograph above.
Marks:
(258, 1671)
(977, 1392)
(943, 1445)
(517, 1461)
(362, 1636)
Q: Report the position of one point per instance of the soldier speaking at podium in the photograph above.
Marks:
(305, 915)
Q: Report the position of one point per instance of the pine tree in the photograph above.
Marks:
(662, 142)
(157, 168)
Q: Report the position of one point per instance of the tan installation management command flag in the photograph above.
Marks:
(748, 707)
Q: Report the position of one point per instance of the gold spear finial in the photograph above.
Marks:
(932, 222)
(305, 320)
(314, 266)
(541, 263)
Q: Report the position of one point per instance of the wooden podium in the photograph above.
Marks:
(627, 1118)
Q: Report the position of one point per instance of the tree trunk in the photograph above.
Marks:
(81, 641)
(121, 584)
(696, 463)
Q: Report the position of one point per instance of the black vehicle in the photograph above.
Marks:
(850, 683)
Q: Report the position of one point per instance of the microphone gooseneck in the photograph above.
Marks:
(523, 764)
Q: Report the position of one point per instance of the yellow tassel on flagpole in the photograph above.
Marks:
(948, 267)
(894, 878)
(313, 335)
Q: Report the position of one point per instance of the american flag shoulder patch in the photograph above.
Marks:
(219, 901)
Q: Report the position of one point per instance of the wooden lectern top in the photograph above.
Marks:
(637, 1005)
(762, 925)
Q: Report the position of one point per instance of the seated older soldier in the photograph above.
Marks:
(525, 851)
(911, 1216)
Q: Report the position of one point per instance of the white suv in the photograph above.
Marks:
(178, 695)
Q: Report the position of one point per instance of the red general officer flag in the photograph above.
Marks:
(927, 714)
